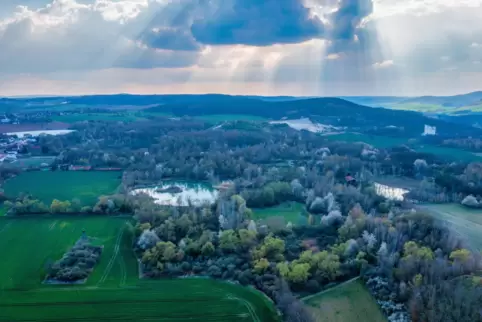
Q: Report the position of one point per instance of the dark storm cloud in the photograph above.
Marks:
(258, 23)
(348, 17)
(171, 39)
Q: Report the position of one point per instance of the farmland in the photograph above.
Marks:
(113, 117)
(345, 303)
(464, 221)
(33, 162)
(218, 118)
(290, 211)
(387, 142)
(113, 291)
(48, 239)
(64, 185)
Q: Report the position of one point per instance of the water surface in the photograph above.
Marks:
(197, 193)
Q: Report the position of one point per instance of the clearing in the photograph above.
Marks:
(33, 161)
(219, 118)
(290, 211)
(345, 303)
(113, 292)
(64, 185)
(464, 221)
(114, 117)
(388, 142)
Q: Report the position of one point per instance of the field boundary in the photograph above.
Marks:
(309, 297)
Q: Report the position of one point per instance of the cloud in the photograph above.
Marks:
(169, 38)
(69, 35)
(333, 56)
(383, 64)
(257, 22)
(310, 46)
(348, 18)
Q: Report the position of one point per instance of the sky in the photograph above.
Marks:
(250, 47)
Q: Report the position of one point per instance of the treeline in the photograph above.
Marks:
(114, 204)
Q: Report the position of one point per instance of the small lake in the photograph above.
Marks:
(392, 193)
(197, 192)
(37, 133)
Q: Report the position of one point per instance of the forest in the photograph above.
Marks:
(413, 265)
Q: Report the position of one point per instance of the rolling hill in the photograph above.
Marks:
(326, 110)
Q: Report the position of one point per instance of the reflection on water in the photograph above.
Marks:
(196, 193)
(388, 192)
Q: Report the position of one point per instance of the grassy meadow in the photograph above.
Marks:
(219, 118)
(113, 117)
(32, 162)
(64, 185)
(464, 221)
(387, 142)
(113, 292)
(345, 303)
(29, 245)
(290, 211)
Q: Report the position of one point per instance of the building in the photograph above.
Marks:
(429, 130)
(350, 180)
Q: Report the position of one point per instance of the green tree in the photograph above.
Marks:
(260, 265)
(207, 249)
(229, 241)
(460, 255)
(247, 238)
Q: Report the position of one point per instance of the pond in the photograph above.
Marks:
(392, 193)
(173, 193)
(37, 133)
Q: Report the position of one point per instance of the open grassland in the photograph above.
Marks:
(167, 300)
(113, 292)
(64, 185)
(464, 221)
(290, 211)
(219, 118)
(29, 245)
(114, 117)
(345, 303)
(32, 162)
(387, 142)
(425, 108)
(375, 140)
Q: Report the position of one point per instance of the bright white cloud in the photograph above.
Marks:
(383, 64)
(79, 42)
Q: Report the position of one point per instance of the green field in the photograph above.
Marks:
(72, 118)
(32, 162)
(113, 292)
(87, 186)
(27, 245)
(345, 303)
(290, 211)
(464, 221)
(425, 108)
(219, 118)
(387, 142)
(376, 141)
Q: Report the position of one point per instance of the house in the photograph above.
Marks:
(350, 180)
